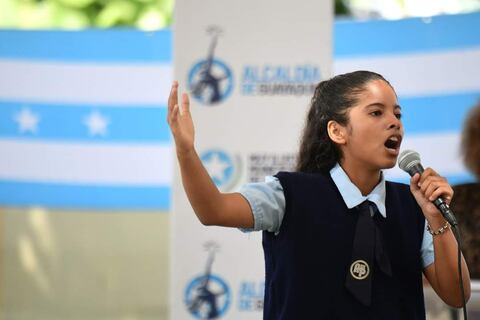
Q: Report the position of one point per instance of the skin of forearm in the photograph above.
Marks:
(203, 195)
(446, 266)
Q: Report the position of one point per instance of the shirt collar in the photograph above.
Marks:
(351, 194)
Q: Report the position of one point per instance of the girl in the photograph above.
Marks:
(340, 242)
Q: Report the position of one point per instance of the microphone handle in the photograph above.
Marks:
(445, 211)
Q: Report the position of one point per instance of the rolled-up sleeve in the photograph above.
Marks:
(427, 252)
(267, 202)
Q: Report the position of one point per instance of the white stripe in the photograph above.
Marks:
(92, 164)
(122, 84)
(438, 151)
(422, 74)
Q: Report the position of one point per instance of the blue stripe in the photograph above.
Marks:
(371, 37)
(108, 46)
(67, 122)
(19, 194)
(383, 37)
(452, 179)
(460, 179)
(436, 113)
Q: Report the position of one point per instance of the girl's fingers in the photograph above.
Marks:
(436, 186)
(427, 183)
(443, 192)
(174, 116)
(173, 97)
(429, 172)
(415, 177)
(430, 182)
(431, 188)
(414, 181)
(448, 199)
(185, 104)
(171, 113)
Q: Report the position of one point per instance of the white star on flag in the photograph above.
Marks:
(216, 167)
(97, 124)
(27, 121)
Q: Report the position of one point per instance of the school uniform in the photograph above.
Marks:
(308, 223)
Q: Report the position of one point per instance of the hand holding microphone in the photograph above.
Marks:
(430, 186)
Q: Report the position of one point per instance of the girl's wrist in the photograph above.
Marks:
(185, 153)
(436, 221)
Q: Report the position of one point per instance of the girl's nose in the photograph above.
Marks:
(395, 122)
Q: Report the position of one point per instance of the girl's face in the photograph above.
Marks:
(374, 132)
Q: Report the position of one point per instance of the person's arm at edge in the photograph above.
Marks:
(210, 205)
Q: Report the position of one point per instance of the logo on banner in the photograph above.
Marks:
(223, 168)
(211, 80)
(208, 296)
(260, 165)
(251, 294)
(280, 80)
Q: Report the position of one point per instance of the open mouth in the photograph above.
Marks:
(393, 143)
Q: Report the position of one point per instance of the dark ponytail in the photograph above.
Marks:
(331, 101)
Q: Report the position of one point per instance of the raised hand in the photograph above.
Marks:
(210, 206)
(180, 121)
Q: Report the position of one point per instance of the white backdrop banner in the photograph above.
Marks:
(250, 68)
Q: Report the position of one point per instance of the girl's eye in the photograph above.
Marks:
(376, 113)
(398, 115)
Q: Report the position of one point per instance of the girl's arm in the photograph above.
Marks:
(443, 273)
(210, 205)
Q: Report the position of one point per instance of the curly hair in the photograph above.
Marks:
(331, 101)
(471, 140)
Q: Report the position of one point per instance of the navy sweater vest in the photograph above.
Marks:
(307, 262)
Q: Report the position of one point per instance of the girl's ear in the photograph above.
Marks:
(336, 132)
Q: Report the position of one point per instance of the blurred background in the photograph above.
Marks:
(157, 14)
(113, 263)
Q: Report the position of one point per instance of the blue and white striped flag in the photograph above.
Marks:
(82, 119)
(82, 114)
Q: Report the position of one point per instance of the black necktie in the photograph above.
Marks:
(367, 247)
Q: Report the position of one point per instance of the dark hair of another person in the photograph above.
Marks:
(471, 141)
(331, 101)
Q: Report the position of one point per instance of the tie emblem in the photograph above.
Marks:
(359, 269)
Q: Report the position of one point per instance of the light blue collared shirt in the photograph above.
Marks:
(268, 204)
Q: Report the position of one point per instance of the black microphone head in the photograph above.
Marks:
(408, 159)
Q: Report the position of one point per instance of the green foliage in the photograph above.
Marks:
(341, 8)
(80, 14)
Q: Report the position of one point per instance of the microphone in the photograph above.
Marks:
(409, 161)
